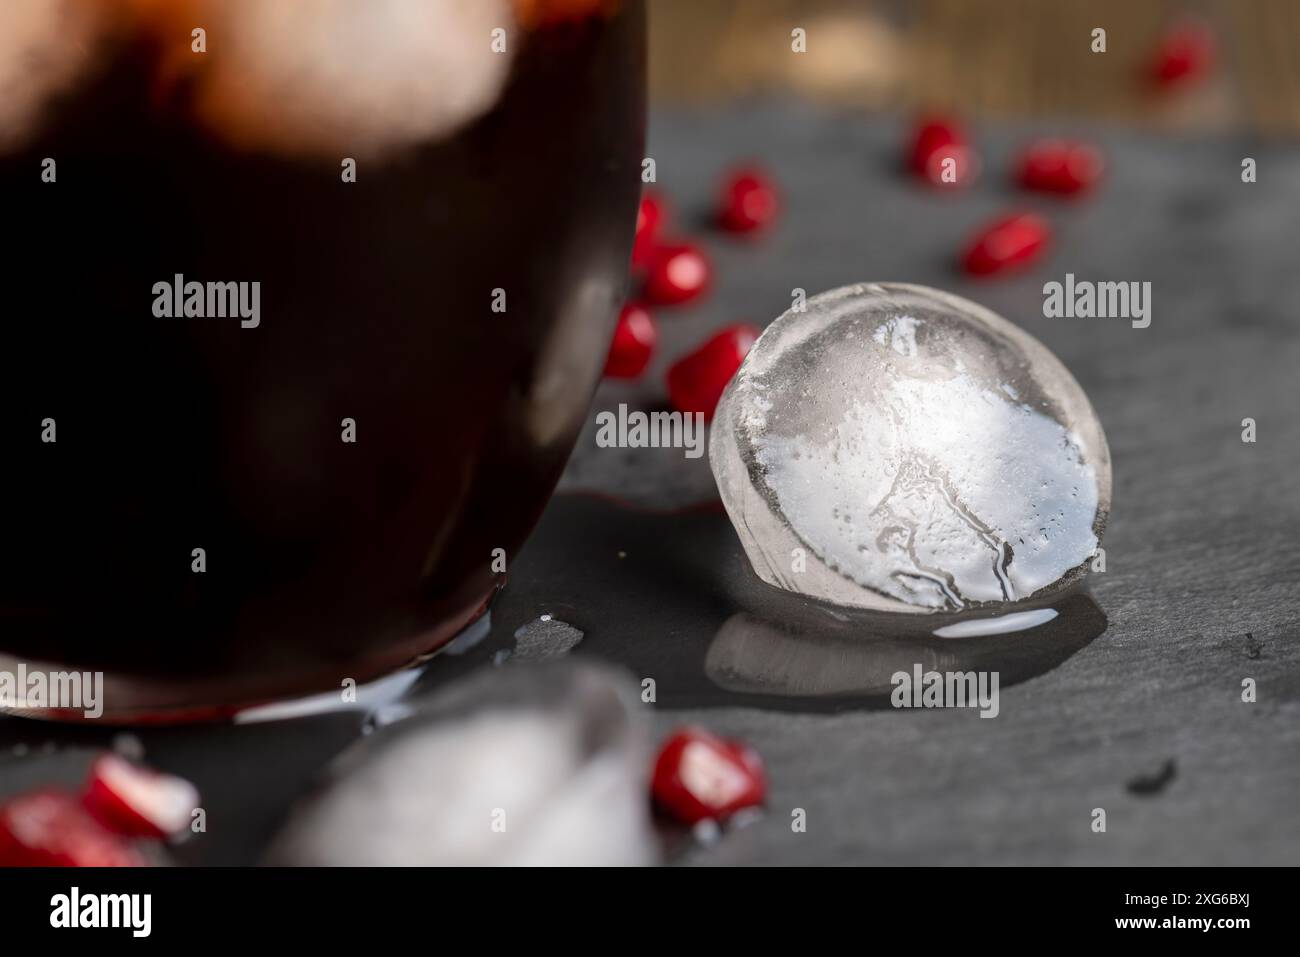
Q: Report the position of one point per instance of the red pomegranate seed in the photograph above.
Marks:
(137, 802)
(1008, 243)
(696, 381)
(1060, 166)
(651, 217)
(1186, 52)
(748, 201)
(935, 141)
(678, 273)
(634, 343)
(700, 776)
(52, 829)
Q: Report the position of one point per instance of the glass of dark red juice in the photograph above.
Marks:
(304, 304)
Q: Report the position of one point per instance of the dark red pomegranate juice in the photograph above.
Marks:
(132, 440)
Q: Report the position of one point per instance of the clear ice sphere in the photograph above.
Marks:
(900, 448)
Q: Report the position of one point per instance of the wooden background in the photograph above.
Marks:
(984, 57)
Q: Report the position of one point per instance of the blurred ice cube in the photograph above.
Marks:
(900, 448)
(44, 46)
(332, 78)
(337, 77)
(535, 764)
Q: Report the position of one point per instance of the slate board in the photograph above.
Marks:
(1203, 546)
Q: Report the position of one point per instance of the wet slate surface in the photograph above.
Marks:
(1202, 587)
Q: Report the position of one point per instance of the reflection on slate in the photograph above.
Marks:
(772, 657)
(672, 597)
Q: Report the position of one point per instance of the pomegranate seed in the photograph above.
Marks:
(678, 273)
(936, 141)
(747, 202)
(699, 776)
(135, 801)
(651, 217)
(1186, 52)
(52, 829)
(696, 381)
(1060, 166)
(634, 343)
(1008, 243)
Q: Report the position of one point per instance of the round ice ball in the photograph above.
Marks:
(896, 447)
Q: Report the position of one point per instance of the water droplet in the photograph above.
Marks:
(547, 637)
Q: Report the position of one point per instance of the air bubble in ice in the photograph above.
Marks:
(900, 448)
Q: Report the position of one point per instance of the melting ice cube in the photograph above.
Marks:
(900, 448)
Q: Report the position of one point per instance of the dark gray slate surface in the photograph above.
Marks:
(1204, 540)
(1203, 545)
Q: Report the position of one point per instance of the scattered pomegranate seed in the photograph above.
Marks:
(634, 342)
(1060, 166)
(696, 381)
(699, 776)
(748, 201)
(1186, 52)
(135, 801)
(52, 829)
(678, 273)
(1009, 243)
(651, 217)
(936, 140)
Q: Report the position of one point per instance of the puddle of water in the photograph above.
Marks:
(672, 597)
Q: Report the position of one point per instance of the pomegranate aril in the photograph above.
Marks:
(52, 829)
(934, 142)
(696, 381)
(1007, 244)
(748, 201)
(1186, 52)
(136, 801)
(678, 273)
(699, 776)
(651, 217)
(633, 344)
(929, 135)
(1060, 166)
(951, 166)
